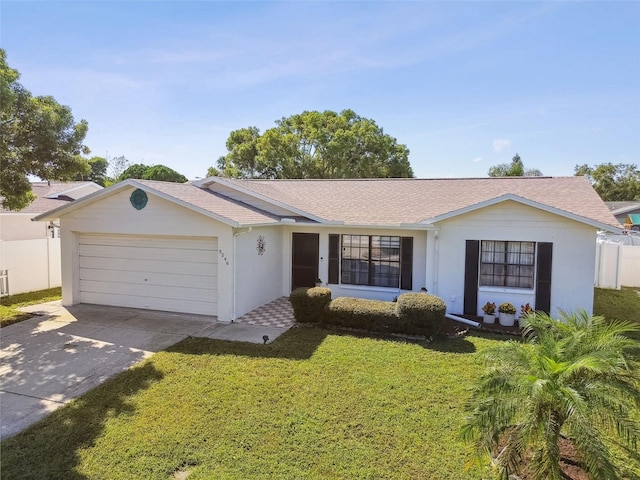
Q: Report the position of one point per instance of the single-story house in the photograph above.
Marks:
(49, 195)
(30, 251)
(223, 247)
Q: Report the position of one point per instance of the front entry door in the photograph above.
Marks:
(306, 248)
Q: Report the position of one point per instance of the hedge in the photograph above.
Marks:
(373, 315)
(309, 304)
(413, 313)
(421, 313)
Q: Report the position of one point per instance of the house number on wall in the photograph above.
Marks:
(261, 245)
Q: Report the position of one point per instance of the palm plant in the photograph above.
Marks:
(570, 378)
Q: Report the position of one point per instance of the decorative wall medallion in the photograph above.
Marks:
(261, 245)
(138, 199)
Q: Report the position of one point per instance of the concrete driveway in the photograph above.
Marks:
(48, 360)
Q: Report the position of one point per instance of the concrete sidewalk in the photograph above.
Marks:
(60, 354)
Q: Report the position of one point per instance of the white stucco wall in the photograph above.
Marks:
(573, 262)
(259, 277)
(115, 215)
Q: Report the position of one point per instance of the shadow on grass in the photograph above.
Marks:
(298, 343)
(50, 448)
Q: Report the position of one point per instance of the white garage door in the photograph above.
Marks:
(159, 273)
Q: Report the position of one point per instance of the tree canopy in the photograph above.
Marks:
(613, 182)
(154, 172)
(513, 169)
(315, 144)
(38, 137)
(96, 171)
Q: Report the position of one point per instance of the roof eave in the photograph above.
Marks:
(276, 203)
(624, 210)
(84, 201)
(77, 187)
(525, 201)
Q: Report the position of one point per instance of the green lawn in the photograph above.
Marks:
(618, 304)
(314, 404)
(8, 305)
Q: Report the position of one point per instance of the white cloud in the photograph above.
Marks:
(501, 144)
(477, 159)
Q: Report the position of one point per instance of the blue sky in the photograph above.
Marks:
(465, 85)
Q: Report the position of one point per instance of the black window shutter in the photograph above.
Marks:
(334, 258)
(472, 255)
(543, 277)
(406, 263)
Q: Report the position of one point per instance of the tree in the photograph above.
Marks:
(117, 166)
(165, 174)
(613, 182)
(571, 379)
(38, 137)
(97, 171)
(137, 170)
(315, 145)
(513, 169)
(214, 172)
(155, 172)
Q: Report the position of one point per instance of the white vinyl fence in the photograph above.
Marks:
(617, 265)
(30, 265)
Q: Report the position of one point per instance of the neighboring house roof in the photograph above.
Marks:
(371, 202)
(50, 195)
(618, 208)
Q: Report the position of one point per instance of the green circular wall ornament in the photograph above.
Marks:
(138, 199)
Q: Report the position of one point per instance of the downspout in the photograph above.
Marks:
(462, 320)
(236, 234)
(436, 262)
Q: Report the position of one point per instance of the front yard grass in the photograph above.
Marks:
(313, 404)
(618, 304)
(9, 305)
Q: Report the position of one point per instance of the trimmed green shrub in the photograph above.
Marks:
(421, 313)
(309, 304)
(373, 315)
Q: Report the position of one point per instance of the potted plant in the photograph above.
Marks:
(525, 310)
(489, 310)
(507, 314)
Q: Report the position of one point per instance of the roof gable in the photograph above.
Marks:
(524, 201)
(186, 195)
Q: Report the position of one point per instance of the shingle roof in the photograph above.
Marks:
(212, 202)
(407, 201)
(622, 207)
(42, 190)
(375, 202)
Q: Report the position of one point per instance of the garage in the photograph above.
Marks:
(169, 273)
